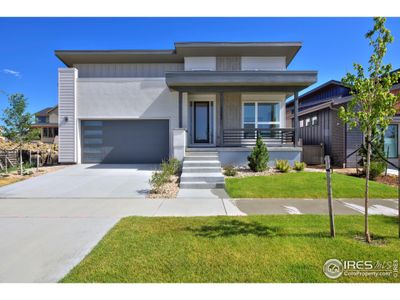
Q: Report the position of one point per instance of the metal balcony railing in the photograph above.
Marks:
(247, 137)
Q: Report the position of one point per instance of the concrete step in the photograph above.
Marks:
(208, 153)
(201, 169)
(208, 163)
(202, 185)
(202, 177)
(201, 158)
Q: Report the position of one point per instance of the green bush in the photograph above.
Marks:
(299, 166)
(282, 165)
(230, 171)
(158, 179)
(259, 156)
(376, 169)
(171, 167)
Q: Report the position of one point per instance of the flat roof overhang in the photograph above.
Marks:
(285, 81)
(184, 49)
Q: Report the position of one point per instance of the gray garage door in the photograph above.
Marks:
(125, 141)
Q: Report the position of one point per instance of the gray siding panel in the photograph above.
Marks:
(232, 118)
(228, 63)
(141, 70)
(338, 139)
(317, 134)
(354, 139)
(67, 109)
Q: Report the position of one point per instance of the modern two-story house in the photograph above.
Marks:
(142, 106)
(46, 121)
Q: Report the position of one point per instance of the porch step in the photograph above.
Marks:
(198, 164)
(202, 158)
(201, 153)
(201, 170)
(202, 177)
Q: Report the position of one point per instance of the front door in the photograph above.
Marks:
(202, 122)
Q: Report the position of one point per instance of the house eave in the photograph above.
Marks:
(276, 80)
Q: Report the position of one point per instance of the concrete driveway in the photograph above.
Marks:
(42, 239)
(85, 181)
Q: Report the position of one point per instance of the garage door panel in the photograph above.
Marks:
(125, 141)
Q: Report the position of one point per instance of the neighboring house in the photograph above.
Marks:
(47, 122)
(142, 106)
(320, 124)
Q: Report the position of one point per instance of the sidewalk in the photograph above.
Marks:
(387, 207)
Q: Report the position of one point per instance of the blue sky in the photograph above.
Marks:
(28, 64)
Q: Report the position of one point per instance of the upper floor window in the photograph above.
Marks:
(41, 119)
(308, 122)
(261, 115)
(314, 120)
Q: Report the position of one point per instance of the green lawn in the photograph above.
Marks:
(234, 249)
(304, 185)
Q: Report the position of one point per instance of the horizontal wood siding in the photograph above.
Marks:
(67, 109)
(228, 63)
(127, 70)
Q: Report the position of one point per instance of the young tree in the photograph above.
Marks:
(18, 123)
(259, 157)
(372, 106)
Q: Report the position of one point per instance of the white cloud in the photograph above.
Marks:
(12, 72)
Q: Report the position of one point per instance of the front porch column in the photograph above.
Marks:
(179, 143)
(180, 109)
(221, 117)
(296, 118)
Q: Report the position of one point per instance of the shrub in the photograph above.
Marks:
(376, 169)
(299, 166)
(282, 165)
(230, 171)
(171, 167)
(158, 179)
(259, 156)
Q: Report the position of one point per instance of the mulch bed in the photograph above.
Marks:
(168, 190)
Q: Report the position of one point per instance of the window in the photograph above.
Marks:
(314, 120)
(41, 119)
(391, 141)
(308, 122)
(301, 123)
(261, 115)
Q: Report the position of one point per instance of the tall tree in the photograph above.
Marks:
(18, 123)
(373, 105)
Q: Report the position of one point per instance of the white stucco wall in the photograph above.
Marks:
(127, 98)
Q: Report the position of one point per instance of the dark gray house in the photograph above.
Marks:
(320, 125)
